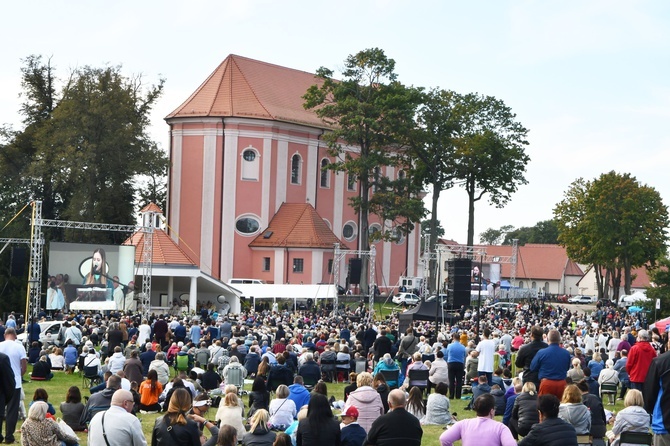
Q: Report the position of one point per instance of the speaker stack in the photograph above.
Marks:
(458, 281)
(354, 271)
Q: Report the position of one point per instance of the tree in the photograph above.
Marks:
(84, 147)
(494, 236)
(372, 111)
(544, 232)
(660, 289)
(614, 223)
(489, 156)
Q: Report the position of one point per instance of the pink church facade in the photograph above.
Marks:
(240, 147)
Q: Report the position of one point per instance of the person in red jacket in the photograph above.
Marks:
(639, 358)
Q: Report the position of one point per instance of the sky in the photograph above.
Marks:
(590, 80)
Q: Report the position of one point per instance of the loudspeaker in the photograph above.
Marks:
(459, 277)
(355, 271)
(18, 261)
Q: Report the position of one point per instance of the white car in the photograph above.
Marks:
(506, 306)
(405, 299)
(580, 300)
(48, 333)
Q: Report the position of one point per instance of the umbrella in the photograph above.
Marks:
(633, 310)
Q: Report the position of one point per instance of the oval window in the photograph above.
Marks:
(249, 155)
(349, 231)
(372, 232)
(247, 225)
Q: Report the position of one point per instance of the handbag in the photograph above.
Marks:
(66, 429)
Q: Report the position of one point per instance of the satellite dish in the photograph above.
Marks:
(221, 299)
(225, 308)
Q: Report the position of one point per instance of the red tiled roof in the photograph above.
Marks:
(296, 225)
(152, 207)
(249, 88)
(165, 250)
(537, 261)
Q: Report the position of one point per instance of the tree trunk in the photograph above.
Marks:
(471, 212)
(432, 240)
(364, 234)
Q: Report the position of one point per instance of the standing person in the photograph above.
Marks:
(456, 366)
(160, 331)
(551, 430)
(117, 426)
(639, 358)
(527, 353)
(38, 430)
(320, 427)
(9, 406)
(657, 397)
(406, 348)
(397, 427)
(483, 430)
(486, 349)
(551, 365)
(175, 428)
(144, 333)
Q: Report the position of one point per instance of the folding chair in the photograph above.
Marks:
(418, 375)
(328, 369)
(342, 367)
(309, 382)
(584, 440)
(391, 375)
(236, 378)
(90, 377)
(629, 438)
(610, 390)
(181, 364)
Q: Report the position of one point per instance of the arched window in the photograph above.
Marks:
(325, 173)
(533, 285)
(520, 283)
(250, 164)
(546, 287)
(296, 169)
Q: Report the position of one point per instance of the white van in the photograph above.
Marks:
(246, 281)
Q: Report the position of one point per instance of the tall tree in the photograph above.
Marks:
(489, 156)
(544, 232)
(371, 111)
(493, 236)
(614, 223)
(660, 289)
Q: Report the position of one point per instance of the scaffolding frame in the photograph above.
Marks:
(34, 293)
(340, 254)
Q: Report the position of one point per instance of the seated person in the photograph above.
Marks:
(478, 390)
(42, 370)
(551, 430)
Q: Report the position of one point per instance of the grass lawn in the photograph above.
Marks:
(57, 389)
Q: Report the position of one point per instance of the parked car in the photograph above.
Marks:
(506, 306)
(48, 334)
(580, 300)
(405, 299)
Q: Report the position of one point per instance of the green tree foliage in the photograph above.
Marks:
(614, 223)
(371, 111)
(489, 153)
(83, 147)
(660, 289)
(493, 236)
(544, 232)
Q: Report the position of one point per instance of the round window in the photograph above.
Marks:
(249, 155)
(247, 225)
(372, 232)
(349, 231)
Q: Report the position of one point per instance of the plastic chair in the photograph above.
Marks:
(328, 369)
(629, 438)
(236, 378)
(181, 364)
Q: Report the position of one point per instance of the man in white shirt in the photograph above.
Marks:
(19, 362)
(116, 426)
(486, 349)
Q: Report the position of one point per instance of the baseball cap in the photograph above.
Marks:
(350, 412)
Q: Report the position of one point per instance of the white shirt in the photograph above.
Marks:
(16, 354)
(122, 428)
(144, 334)
(486, 349)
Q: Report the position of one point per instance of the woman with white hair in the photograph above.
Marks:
(161, 367)
(38, 430)
(388, 364)
(232, 371)
(633, 418)
(576, 373)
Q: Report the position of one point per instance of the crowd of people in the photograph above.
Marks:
(541, 367)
